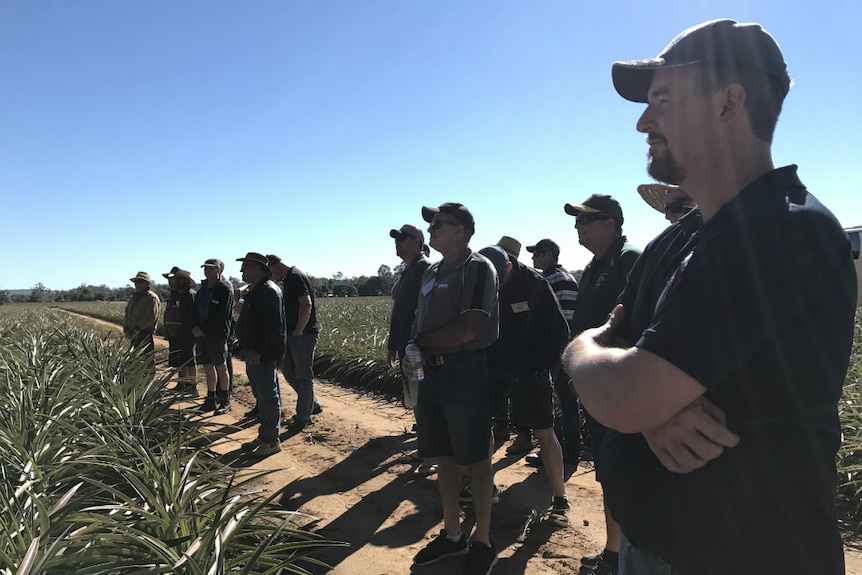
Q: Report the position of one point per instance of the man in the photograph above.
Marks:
(456, 320)
(405, 295)
(179, 321)
(598, 220)
(672, 201)
(733, 384)
(533, 333)
(260, 331)
(546, 255)
(214, 305)
(142, 315)
(302, 331)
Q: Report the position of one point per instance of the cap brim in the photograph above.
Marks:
(656, 195)
(575, 209)
(632, 79)
(429, 213)
(394, 234)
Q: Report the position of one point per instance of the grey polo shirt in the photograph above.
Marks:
(468, 285)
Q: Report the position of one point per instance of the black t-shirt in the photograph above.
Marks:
(296, 285)
(760, 311)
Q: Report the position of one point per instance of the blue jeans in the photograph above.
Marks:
(263, 379)
(296, 365)
(635, 561)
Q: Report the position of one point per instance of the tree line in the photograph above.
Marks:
(336, 286)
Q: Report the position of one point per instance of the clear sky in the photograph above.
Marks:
(139, 135)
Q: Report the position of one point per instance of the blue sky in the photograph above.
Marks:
(142, 135)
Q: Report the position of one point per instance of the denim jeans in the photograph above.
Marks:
(635, 561)
(263, 379)
(296, 365)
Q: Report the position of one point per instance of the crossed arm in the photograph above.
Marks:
(635, 391)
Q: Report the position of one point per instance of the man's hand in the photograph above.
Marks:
(605, 335)
(252, 356)
(392, 357)
(692, 437)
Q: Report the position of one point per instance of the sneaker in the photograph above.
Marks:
(440, 548)
(466, 495)
(534, 460)
(602, 568)
(522, 444)
(209, 404)
(559, 511)
(589, 561)
(250, 445)
(480, 560)
(224, 407)
(265, 449)
(316, 409)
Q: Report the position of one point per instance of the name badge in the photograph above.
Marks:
(521, 306)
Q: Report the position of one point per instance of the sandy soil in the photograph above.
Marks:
(351, 473)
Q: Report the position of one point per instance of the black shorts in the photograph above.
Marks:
(533, 402)
(181, 351)
(211, 350)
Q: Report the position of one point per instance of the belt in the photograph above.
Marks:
(436, 360)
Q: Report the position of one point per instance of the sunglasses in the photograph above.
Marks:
(590, 218)
(437, 223)
(675, 206)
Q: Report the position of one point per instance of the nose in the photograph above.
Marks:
(646, 123)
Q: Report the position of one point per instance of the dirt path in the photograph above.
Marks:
(352, 475)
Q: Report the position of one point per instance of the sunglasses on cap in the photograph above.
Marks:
(436, 223)
(585, 218)
(675, 206)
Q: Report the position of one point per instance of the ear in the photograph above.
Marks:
(732, 102)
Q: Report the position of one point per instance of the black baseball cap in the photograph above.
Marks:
(596, 204)
(408, 230)
(716, 41)
(454, 209)
(545, 245)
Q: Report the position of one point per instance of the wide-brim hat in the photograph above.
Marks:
(657, 195)
(180, 273)
(407, 230)
(259, 259)
(141, 277)
(511, 246)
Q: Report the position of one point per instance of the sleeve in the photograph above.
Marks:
(480, 287)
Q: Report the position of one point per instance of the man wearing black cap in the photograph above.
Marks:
(728, 397)
(300, 313)
(599, 222)
(405, 297)
(456, 320)
(260, 331)
(214, 306)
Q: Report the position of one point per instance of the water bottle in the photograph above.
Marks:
(413, 356)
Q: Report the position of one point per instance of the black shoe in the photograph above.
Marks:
(480, 560)
(298, 424)
(534, 460)
(224, 407)
(316, 409)
(559, 511)
(209, 404)
(252, 413)
(440, 548)
(466, 495)
(601, 568)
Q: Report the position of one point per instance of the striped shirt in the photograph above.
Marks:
(566, 289)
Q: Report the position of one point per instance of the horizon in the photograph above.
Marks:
(141, 136)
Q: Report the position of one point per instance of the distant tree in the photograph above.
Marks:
(384, 271)
(338, 276)
(344, 290)
(39, 293)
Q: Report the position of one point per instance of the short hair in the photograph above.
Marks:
(764, 95)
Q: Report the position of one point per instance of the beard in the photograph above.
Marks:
(664, 167)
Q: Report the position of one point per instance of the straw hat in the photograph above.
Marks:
(657, 194)
(142, 277)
